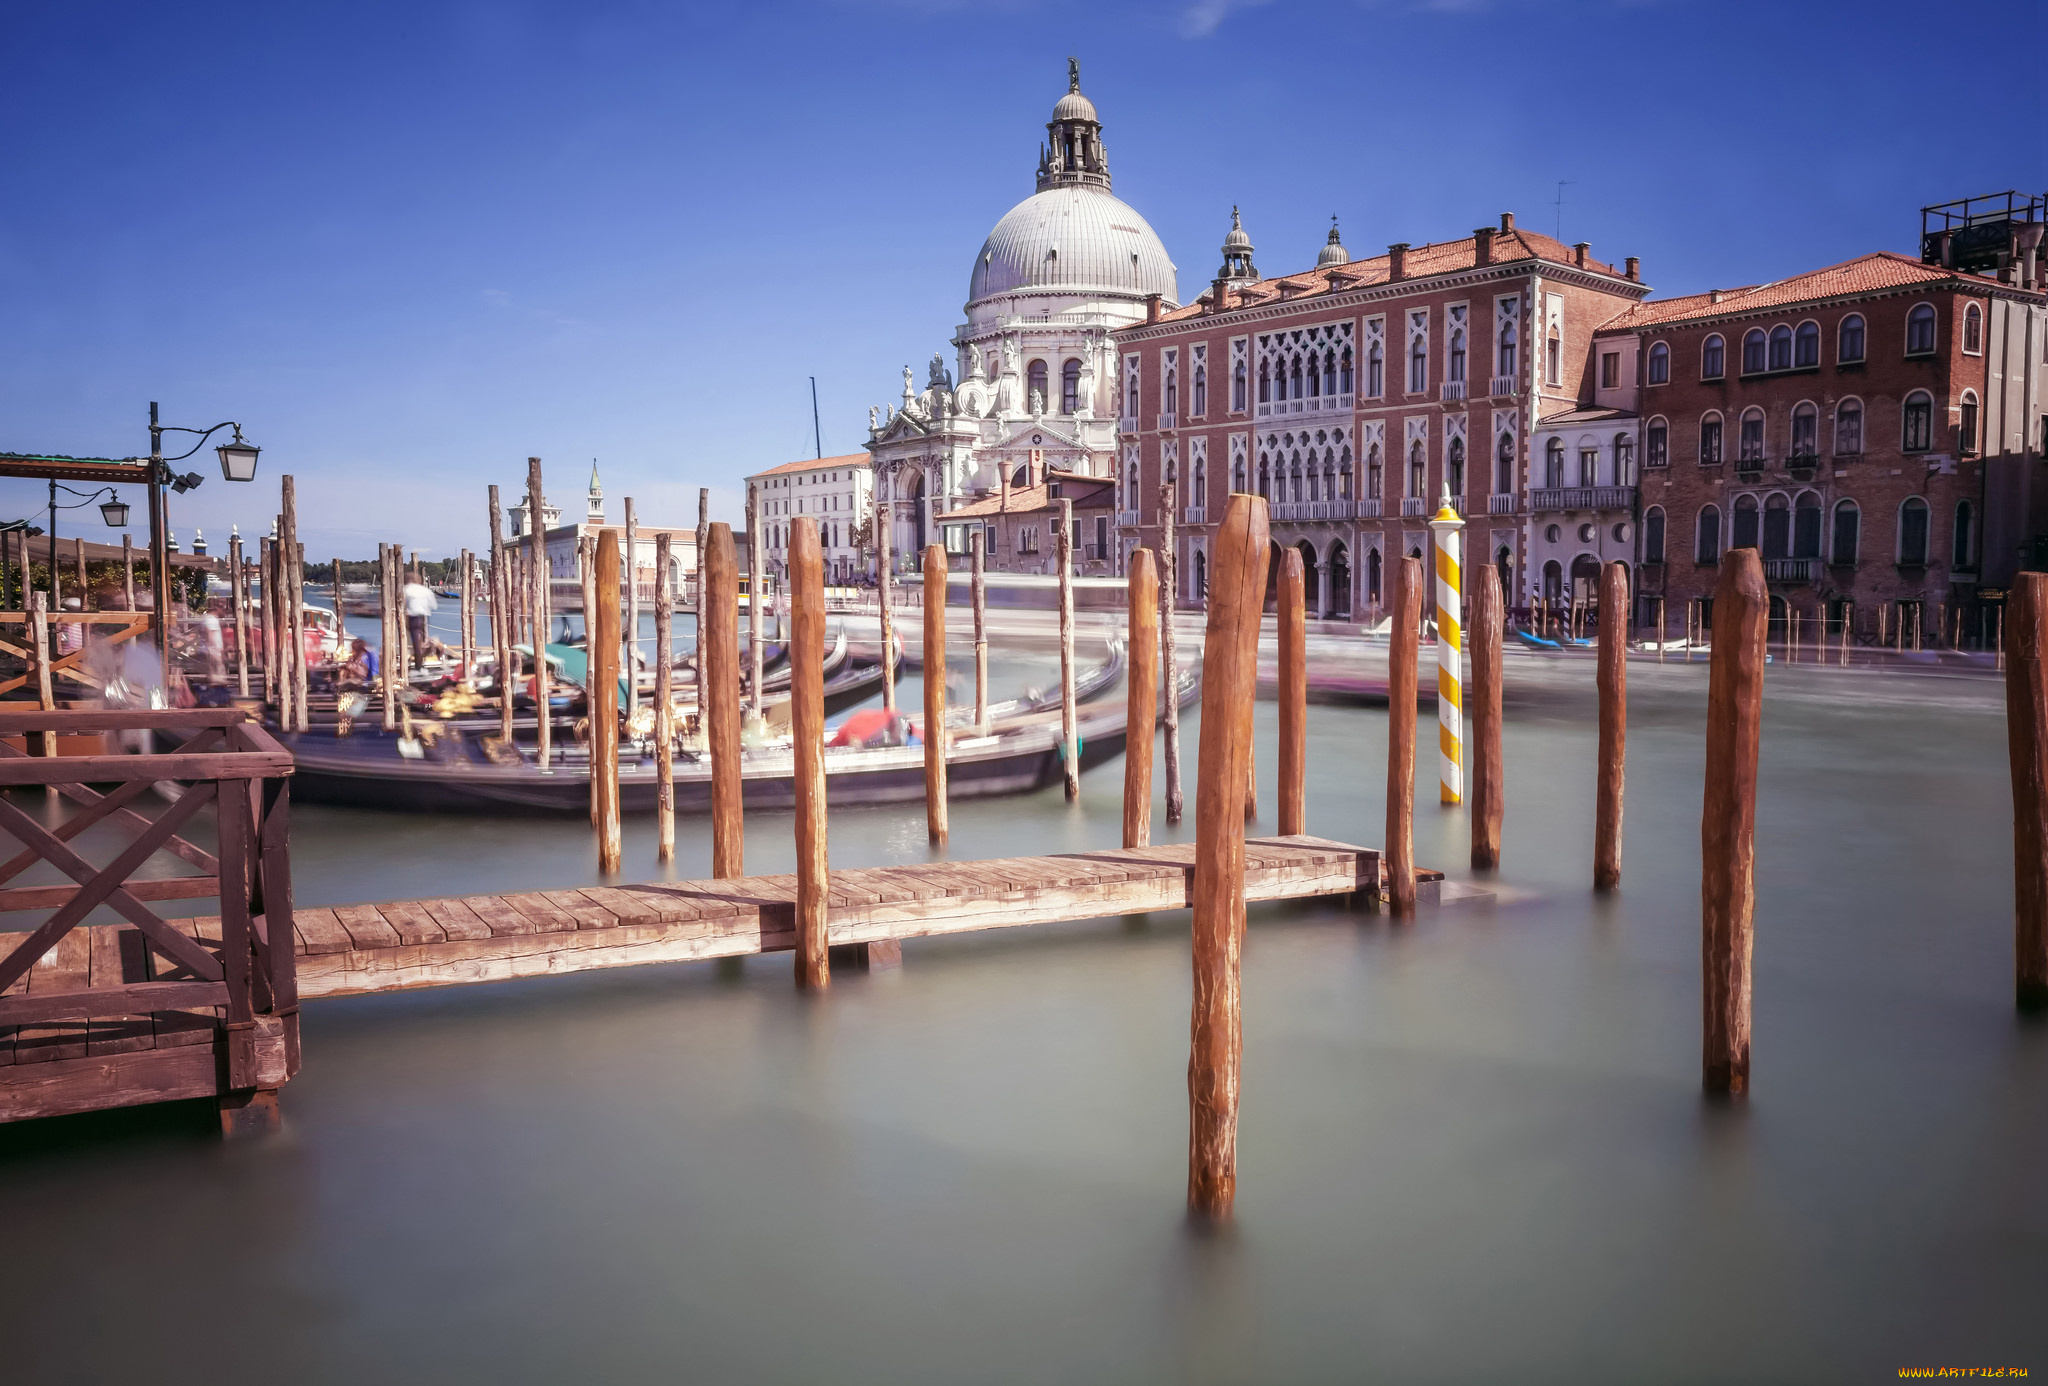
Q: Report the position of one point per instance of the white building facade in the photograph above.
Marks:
(1037, 374)
(838, 491)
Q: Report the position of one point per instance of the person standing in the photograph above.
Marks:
(419, 604)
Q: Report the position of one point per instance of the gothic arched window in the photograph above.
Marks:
(1329, 372)
(1375, 372)
(1070, 386)
(1418, 469)
(1504, 466)
(1373, 470)
(1200, 405)
(1344, 372)
(1237, 388)
(1458, 355)
(1455, 467)
(1265, 384)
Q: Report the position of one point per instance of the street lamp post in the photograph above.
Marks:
(237, 463)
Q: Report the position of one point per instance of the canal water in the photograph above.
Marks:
(1472, 1148)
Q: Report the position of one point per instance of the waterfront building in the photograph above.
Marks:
(1353, 394)
(1020, 525)
(1032, 387)
(839, 491)
(1873, 427)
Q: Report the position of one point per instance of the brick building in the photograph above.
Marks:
(1020, 522)
(1350, 395)
(1838, 421)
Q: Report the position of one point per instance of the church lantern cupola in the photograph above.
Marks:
(1073, 156)
(1237, 253)
(1334, 253)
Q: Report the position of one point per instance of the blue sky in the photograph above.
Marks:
(409, 245)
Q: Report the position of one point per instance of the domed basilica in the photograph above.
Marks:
(1035, 366)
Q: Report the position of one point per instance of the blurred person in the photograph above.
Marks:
(419, 604)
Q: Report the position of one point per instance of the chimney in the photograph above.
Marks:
(1635, 269)
(1216, 292)
(1003, 481)
(2030, 254)
(1713, 295)
(1579, 252)
(1151, 307)
(1507, 222)
(1482, 246)
(1397, 260)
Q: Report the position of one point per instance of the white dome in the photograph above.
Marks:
(1078, 239)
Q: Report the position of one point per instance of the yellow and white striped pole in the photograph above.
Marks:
(1450, 647)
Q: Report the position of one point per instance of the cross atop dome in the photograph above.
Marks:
(1073, 155)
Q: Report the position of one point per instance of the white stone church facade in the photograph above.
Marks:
(1036, 371)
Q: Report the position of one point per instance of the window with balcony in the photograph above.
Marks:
(1781, 348)
(1657, 444)
(1624, 460)
(1344, 380)
(1329, 371)
(1237, 388)
(1653, 534)
(1707, 537)
(1744, 533)
(1373, 471)
(1966, 427)
(1418, 471)
(1849, 340)
(1973, 330)
(1916, 433)
(1237, 476)
(1553, 464)
(1752, 436)
(1509, 343)
(1504, 466)
(1920, 330)
(1265, 383)
(1913, 533)
(1777, 538)
(1454, 467)
(1710, 440)
(1170, 394)
(1713, 358)
(1199, 404)
(1754, 358)
(1070, 385)
(1589, 466)
(1805, 430)
(1965, 550)
(1849, 428)
(1848, 530)
(1806, 526)
(1375, 372)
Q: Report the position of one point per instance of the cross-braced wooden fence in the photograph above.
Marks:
(148, 1009)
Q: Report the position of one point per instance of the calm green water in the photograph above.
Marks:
(1473, 1149)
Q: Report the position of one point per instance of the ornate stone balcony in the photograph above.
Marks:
(1500, 505)
(1582, 498)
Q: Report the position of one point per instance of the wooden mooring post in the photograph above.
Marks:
(1169, 653)
(267, 615)
(501, 620)
(935, 693)
(633, 613)
(1613, 683)
(756, 579)
(1735, 693)
(1488, 778)
(885, 523)
(1293, 652)
(238, 588)
(664, 703)
(1070, 727)
(718, 662)
(586, 572)
(978, 584)
(703, 548)
(127, 570)
(537, 574)
(1404, 649)
(603, 659)
(1142, 707)
(2026, 731)
(468, 614)
(1230, 670)
(807, 726)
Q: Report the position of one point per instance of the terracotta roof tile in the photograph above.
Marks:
(812, 464)
(1876, 272)
(1026, 499)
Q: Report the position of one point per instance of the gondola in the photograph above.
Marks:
(455, 774)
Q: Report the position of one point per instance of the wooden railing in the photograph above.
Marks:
(35, 649)
(54, 976)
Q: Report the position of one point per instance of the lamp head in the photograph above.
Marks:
(238, 458)
(114, 511)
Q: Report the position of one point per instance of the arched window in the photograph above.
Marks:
(1315, 378)
(1265, 477)
(1973, 329)
(1265, 384)
(1373, 471)
(1070, 386)
(1035, 385)
(1295, 477)
(1200, 405)
(1200, 494)
(1508, 343)
(1781, 348)
(1344, 372)
(1752, 440)
(1237, 476)
(1589, 466)
(1920, 330)
(1849, 345)
(1966, 428)
(1329, 372)
(1777, 527)
(1660, 364)
(1171, 394)
(1372, 576)
(1913, 533)
(1418, 365)
(1653, 534)
(1805, 430)
(1504, 564)
(1624, 460)
(1917, 432)
(1710, 440)
(1965, 551)
(1375, 372)
(1504, 466)
(1848, 529)
(1553, 359)
(1418, 471)
(1713, 358)
(1201, 576)
(1707, 540)
(1344, 475)
(1237, 388)
(1657, 444)
(1849, 428)
(1553, 464)
(1743, 534)
(1132, 479)
(1753, 351)
(1806, 344)
(1454, 466)
(1458, 355)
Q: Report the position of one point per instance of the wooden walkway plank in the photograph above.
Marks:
(414, 923)
(456, 919)
(546, 918)
(321, 931)
(66, 967)
(365, 926)
(503, 919)
(588, 913)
